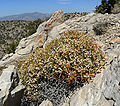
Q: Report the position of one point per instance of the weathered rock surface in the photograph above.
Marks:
(11, 89)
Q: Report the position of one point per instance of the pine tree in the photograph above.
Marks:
(113, 2)
(103, 8)
(106, 6)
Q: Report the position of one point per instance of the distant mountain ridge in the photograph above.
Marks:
(26, 16)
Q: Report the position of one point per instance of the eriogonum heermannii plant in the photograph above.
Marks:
(73, 57)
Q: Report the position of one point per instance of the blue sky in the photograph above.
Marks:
(12, 7)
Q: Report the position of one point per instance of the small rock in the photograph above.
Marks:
(11, 89)
(118, 21)
(115, 40)
(46, 103)
(65, 104)
(114, 28)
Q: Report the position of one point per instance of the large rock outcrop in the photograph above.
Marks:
(103, 91)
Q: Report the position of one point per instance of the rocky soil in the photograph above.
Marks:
(105, 88)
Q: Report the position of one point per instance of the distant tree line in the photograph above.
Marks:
(108, 6)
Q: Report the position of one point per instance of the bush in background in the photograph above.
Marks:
(100, 28)
(108, 6)
(12, 47)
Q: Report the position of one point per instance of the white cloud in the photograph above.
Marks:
(64, 2)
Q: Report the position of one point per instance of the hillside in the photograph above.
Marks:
(66, 62)
(26, 16)
(11, 32)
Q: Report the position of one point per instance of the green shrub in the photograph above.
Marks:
(100, 28)
(75, 57)
(11, 47)
(107, 6)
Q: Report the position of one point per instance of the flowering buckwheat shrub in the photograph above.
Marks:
(75, 57)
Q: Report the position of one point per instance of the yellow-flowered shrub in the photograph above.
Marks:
(75, 57)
